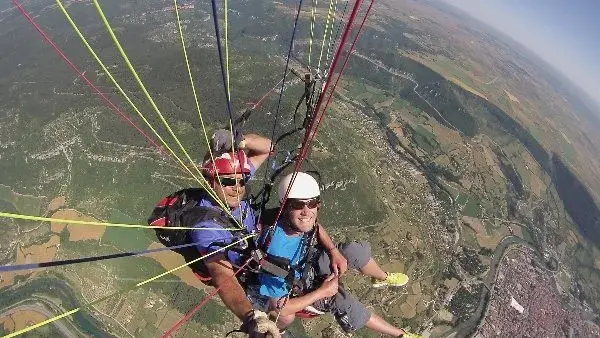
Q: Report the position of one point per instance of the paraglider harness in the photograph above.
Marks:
(181, 209)
(272, 264)
(309, 256)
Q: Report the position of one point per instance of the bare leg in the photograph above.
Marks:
(377, 323)
(274, 313)
(372, 269)
(285, 321)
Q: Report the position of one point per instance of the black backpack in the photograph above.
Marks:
(181, 209)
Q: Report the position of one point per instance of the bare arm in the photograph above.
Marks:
(258, 148)
(324, 239)
(296, 304)
(339, 264)
(328, 289)
(231, 292)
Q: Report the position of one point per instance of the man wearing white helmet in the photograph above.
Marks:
(316, 282)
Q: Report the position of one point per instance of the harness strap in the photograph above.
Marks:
(273, 269)
(300, 285)
(191, 212)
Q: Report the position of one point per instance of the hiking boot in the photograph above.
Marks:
(392, 279)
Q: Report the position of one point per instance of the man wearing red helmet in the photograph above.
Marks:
(227, 173)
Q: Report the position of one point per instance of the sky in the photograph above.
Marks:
(566, 33)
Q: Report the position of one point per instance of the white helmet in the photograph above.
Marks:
(304, 187)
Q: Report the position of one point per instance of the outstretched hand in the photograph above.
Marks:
(339, 263)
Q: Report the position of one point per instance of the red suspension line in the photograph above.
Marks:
(87, 81)
(344, 65)
(259, 102)
(313, 127)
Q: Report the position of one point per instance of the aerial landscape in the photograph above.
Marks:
(466, 160)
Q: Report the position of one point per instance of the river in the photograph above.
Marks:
(52, 288)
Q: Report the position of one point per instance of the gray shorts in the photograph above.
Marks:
(348, 311)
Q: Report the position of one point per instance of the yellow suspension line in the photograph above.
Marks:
(331, 31)
(228, 85)
(187, 63)
(202, 182)
(91, 50)
(162, 118)
(142, 86)
(325, 33)
(312, 27)
(66, 314)
(194, 261)
(106, 224)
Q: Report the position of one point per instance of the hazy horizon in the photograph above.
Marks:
(565, 34)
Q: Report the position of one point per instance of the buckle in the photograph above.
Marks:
(275, 265)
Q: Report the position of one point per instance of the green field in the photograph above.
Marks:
(361, 90)
(126, 238)
(24, 204)
(472, 208)
(402, 105)
(424, 138)
(527, 235)
(29, 205)
(569, 152)
(469, 238)
(6, 193)
(461, 200)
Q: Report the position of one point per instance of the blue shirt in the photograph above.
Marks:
(289, 247)
(205, 239)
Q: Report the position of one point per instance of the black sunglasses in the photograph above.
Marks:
(300, 204)
(233, 181)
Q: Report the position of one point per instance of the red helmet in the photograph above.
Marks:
(228, 164)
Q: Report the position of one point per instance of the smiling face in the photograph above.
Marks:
(229, 194)
(301, 215)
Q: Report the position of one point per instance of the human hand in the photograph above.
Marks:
(339, 263)
(260, 326)
(221, 140)
(330, 286)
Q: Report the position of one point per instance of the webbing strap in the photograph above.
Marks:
(273, 268)
(308, 260)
